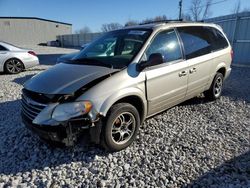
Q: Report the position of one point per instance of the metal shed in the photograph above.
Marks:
(31, 30)
(237, 28)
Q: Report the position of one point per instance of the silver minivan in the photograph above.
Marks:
(124, 77)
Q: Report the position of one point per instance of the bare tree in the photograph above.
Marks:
(110, 27)
(157, 18)
(246, 10)
(131, 23)
(160, 18)
(186, 17)
(199, 11)
(83, 30)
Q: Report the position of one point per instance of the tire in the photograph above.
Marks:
(13, 66)
(215, 89)
(120, 127)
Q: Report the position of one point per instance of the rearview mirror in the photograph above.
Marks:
(154, 59)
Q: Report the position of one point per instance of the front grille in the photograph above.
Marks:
(31, 108)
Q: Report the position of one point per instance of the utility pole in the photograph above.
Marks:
(180, 9)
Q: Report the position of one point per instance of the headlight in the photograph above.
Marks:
(66, 111)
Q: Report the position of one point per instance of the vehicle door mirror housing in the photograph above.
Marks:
(154, 59)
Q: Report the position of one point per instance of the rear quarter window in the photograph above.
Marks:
(219, 41)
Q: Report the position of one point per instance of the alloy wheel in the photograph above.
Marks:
(218, 86)
(123, 128)
(14, 66)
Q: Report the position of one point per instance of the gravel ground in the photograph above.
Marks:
(195, 144)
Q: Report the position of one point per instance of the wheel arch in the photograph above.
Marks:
(136, 102)
(136, 99)
(222, 70)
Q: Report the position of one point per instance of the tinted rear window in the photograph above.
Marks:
(219, 41)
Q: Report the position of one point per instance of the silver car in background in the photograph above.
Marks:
(14, 59)
(124, 77)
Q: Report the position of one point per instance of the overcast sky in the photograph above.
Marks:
(93, 13)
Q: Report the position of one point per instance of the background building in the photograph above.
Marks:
(31, 30)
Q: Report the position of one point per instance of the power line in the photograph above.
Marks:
(210, 4)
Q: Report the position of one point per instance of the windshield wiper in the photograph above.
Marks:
(89, 61)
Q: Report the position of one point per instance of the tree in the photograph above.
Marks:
(246, 10)
(131, 23)
(110, 27)
(155, 19)
(83, 30)
(186, 17)
(198, 11)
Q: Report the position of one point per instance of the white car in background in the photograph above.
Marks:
(14, 60)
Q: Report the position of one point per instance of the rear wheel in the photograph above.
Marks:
(216, 88)
(121, 127)
(13, 66)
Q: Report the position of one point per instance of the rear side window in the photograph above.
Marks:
(167, 44)
(197, 41)
(2, 48)
(219, 41)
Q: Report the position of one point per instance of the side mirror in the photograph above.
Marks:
(154, 59)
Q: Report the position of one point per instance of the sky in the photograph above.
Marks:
(94, 13)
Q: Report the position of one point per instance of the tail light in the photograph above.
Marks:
(32, 53)
(232, 54)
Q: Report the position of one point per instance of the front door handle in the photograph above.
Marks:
(183, 73)
(193, 70)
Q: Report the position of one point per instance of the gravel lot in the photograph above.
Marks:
(195, 144)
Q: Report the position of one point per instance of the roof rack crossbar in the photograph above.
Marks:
(162, 21)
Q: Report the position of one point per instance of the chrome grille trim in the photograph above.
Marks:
(31, 108)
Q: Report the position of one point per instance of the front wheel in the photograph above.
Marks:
(216, 88)
(121, 127)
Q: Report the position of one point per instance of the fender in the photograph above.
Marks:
(122, 94)
(219, 66)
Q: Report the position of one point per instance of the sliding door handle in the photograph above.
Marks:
(193, 70)
(183, 73)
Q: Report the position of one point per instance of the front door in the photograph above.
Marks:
(166, 84)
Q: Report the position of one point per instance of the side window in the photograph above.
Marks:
(219, 41)
(167, 44)
(197, 41)
(2, 48)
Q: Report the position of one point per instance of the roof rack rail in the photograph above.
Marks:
(162, 21)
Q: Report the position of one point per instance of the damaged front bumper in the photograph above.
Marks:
(66, 133)
(38, 118)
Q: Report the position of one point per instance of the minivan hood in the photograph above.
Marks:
(67, 57)
(66, 78)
